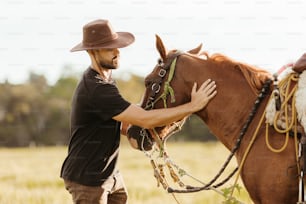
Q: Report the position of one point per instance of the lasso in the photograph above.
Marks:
(287, 93)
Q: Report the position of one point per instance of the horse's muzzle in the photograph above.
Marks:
(140, 138)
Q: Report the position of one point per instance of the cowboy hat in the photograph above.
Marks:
(100, 34)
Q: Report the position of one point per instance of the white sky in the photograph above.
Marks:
(36, 35)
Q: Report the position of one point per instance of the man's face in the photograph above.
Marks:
(108, 58)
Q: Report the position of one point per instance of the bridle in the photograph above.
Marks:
(165, 69)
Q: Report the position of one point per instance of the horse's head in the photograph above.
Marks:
(161, 92)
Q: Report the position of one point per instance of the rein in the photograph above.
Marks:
(258, 101)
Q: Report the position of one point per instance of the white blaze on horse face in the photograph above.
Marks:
(133, 143)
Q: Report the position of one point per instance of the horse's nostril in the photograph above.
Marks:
(143, 138)
(134, 131)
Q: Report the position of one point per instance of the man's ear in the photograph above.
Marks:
(93, 52)
(90, 52)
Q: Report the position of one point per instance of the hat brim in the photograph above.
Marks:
(124, 39)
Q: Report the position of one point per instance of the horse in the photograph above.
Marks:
(269, 177)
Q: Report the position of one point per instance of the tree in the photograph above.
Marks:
(23, 114)
(132, 88)
(35, 112)
(59, 101)
(194, 129)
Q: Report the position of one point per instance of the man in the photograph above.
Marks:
(89, 171)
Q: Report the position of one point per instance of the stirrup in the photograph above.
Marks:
(302, 155)
(301, 189)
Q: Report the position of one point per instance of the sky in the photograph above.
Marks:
(37, 35)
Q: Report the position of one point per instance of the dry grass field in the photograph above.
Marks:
(31, 175)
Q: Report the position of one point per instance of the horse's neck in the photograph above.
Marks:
(237, 84)
(227, 112)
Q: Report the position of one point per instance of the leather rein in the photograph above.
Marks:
(169, 66)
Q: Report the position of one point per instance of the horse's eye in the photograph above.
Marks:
(148, 83)
(160, 61)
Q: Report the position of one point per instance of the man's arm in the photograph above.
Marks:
(124, 128)
(149, 119)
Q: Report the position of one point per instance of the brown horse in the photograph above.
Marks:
(269, 177)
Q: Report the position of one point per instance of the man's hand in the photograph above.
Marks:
(200, 97)
(124, 128)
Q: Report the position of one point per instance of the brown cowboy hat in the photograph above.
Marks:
(100, 34)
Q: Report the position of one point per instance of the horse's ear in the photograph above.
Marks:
(196, 50)
(160, 47)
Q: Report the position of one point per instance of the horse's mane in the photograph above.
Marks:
(255, 76)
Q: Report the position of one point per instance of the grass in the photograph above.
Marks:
(31, 175)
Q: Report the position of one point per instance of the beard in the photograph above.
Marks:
(107, 66)
(110, 65)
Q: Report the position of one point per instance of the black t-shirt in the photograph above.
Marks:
(95, 136)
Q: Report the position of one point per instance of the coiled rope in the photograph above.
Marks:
(287, 94)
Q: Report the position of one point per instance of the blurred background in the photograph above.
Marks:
(38, 73)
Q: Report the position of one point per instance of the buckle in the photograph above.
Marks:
(162, 72)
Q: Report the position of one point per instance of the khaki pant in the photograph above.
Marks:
(112, 191)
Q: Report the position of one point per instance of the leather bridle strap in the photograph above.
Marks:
(155, 88)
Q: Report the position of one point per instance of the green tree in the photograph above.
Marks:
(23, 115)
(34, 112)
(132, 88)
(194, 129)
(59, 105)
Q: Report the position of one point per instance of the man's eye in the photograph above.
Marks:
(160, 61)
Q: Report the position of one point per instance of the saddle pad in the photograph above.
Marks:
(300, 100)
(300, 65)
(300, 104)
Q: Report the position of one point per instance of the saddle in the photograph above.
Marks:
(295, 72)
(291, 105)
(292, 92)
(300, 65)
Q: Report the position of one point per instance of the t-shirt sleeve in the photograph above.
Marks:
(108, 102)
